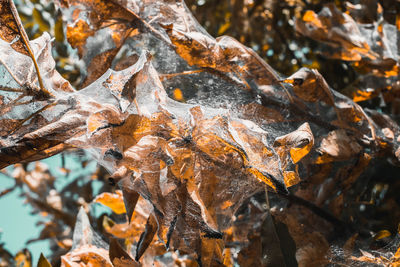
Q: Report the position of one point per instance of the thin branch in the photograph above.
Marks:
(171, 75)
(153, 19)
(339, 225)
(10, 89)
(117, 22)
(12, 103)
(6, 191)
(22, 103)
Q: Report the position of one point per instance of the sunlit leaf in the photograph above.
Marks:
(112, 200)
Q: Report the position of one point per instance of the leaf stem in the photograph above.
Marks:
(338, 224)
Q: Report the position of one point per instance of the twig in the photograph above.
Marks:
(8, 190)
(171, 75)
(10, 89)
(12, 103)
(339, 225)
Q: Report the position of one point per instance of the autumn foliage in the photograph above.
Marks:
(207, 155)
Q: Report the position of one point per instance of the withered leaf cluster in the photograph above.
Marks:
(360, 35)
(194, 131)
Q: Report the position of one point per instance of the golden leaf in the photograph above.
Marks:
(114, 201)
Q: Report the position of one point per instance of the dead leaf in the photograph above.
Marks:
(338, 145)
(43, 262)
(119, 257)
(88, 248)
(112, 200)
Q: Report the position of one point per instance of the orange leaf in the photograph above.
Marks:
(114, 201)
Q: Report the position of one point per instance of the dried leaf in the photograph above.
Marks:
(84, 235)
(12, 31)
(130, 200)
(21, 93)
(298, 143)
(211, 252)
(107, 24)
(112, 200)
(88, 248)
(129, 231)
(370, 45)
(43, 262)
(310, 86)
(119, 257)
(382, 234)
(86, 255)
(338, 146)
(337, 29)
(147, 236)
(11, 28)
